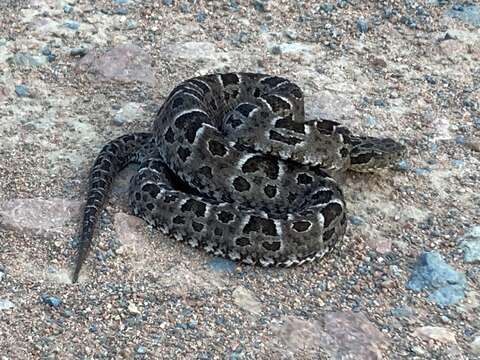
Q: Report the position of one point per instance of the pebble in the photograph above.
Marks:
(458, 163)
(403, 165)
(475, 346)
(467, 13)
(470, 245)
(444, 285)
(72, 24)
(402, 312)
(245, 300)
(67, 9)
(356, 220)
(410, 22)
(167, 2)
(221, 264)
(6, 304)
(25, 59)
(78, 51)
(127, 114)
(140, 350)
(437, 333)
(133, 309)
(200, 16)
(260, 5)
(120, 11)
(362, 25)
(21, 90)
(51, 300)
(423, 170)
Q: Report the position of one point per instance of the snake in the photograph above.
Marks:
(231, 165)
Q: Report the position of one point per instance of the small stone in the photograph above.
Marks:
(192, 324)
(167, 2)
(403, 165)
(140, 350)
(127, 114)
(46, 51)
(6, 304)
(470, 245)
(356, 220)
(362, 25)
(467, 13)
(124, 62)
(67, 9)
(458, 163)
(260, 5)
(72, 24)
(131, 24)
(402, 312)
(423, 170)
(445, 285)
(437, 333)
(185, 8)
(475, 346)
(221, 264)
(120, 11)
(371, 121)
(200, 16)
(25, 59)
(21, 90)
(38, 215)
(78, 51)
(410, 22)
(326, 7)
(132, 309)
(244, 299)
(51, 300)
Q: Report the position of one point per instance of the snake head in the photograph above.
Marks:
(369, 153)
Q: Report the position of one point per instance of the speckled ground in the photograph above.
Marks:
(405, 69)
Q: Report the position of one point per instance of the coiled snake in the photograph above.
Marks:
(232, 166)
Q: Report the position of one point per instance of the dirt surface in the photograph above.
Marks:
(75, 74)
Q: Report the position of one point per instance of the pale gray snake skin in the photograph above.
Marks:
(233, 166)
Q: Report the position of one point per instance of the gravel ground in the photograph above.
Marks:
(404, 283)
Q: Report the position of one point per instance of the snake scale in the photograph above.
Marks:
(233, 166)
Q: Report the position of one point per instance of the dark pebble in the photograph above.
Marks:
(460, 140)
(120, 11)
(21, 90)
(46, 51)
(51, 300)
(356, 220)
(185, 8)
(362, 25)
(79, 52)
(72, 24)
(379, 102)
(328, 8)
(476, 122)
(259, 5)
(423, 170)
(430, 79)
(200, 17)
(221, 264)
(167, 2)
(67, 9)
(407, 20)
